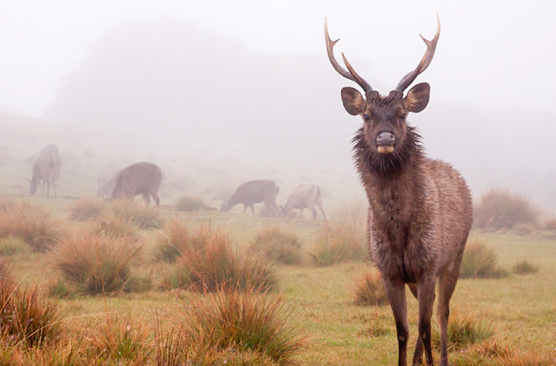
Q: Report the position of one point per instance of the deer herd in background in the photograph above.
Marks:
(145, 178)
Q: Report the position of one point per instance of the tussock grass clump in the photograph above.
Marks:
(5, 267)
(495, 354)
(244, 321)
(191, 204)
(30, 222)
(480, 261)
(174, 347)
(114, 227)
(550, 224)
(500, 209)
(277, 245)
(172, 241)
(215, 266)
(27, 316)
(97, 264)
(143, 216)
(119, 339)
(464, 329)
(340, 241)
(368, 290)
(86, 209)
(525, 267)
(207, 263)
(12, 245)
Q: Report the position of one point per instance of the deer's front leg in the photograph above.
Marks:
(425, 290)
(395, 291)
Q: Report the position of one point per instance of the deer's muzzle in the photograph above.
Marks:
(385, 142)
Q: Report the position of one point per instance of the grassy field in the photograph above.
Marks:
(505, 320)
(519, 310)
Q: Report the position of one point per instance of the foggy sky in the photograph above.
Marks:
(491, 54)
(491, 112)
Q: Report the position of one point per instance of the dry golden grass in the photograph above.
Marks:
(368, 289)
(95, 263)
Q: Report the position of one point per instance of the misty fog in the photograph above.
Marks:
(213, 110)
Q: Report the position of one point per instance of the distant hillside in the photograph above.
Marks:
(167, 85)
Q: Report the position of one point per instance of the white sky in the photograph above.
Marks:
(492, 54)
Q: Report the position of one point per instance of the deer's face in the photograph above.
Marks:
(33, 187)
(384, 117)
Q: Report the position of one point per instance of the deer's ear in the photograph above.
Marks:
(354, 103)
(417, 97)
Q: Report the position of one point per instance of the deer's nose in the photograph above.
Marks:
(385, 139)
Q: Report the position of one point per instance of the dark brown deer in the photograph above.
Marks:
(420, 210)
(304, 196)
(51, 150)
(44, 170)
(139, 178)
(254, 191)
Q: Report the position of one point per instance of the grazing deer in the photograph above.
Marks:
(304, 196)
(44, 170)
(52, 151)
(139, 178)
(420, 210)
(254, 191)
(105, 189)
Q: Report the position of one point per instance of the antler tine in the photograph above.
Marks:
(351, 74)
(425, 61)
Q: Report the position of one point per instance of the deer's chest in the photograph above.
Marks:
(397, 238)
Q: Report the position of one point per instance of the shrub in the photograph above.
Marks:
(500, 209)
(464, 330)
(86, 209)
(340, 241)
(208, 263)
(119, 339)
(278, 246)
(137, 214)
(243, 321)
(191, 204)
(479, 261)
(27, 317)
(525, 267)
(12, 245)
(31, 223)
(368, 290)
(97, 264)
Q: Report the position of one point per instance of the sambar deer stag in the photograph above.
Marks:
(420, 210)
(254, 191)
(140, 178)
(304, 196)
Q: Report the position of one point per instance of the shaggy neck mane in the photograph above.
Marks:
(382, 165)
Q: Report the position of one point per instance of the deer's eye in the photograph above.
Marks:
(366, 117)
(402, 116)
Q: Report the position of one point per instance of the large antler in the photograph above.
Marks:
(425, 61)
(351, 74)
